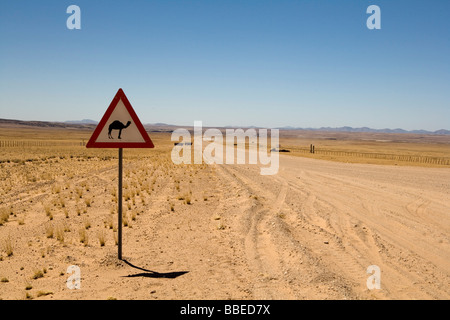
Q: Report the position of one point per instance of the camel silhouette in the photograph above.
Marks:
(117, 125)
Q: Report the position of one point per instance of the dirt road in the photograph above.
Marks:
(311, 232)
(317, 226)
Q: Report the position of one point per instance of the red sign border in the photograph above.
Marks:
(120, 95)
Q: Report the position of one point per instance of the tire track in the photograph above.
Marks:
(290, 266)
(261, 253)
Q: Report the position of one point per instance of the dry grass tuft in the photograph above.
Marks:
(38, 274)
(8, 246)
(49, 230)
(83, 236)
(187, 199)
(102, 237)
(4, 216)
(87, 223)
(59, 232)
(41, 293)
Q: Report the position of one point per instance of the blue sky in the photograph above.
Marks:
(306, 63)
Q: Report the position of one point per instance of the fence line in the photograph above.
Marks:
(383, 156)
(38, 143)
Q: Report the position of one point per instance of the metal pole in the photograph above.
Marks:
(120, 207)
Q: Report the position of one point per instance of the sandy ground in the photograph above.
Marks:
(309, 232)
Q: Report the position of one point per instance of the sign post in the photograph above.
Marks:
(120, 128)
(119, 225)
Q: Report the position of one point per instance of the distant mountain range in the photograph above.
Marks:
(84, 121)
(366, 129)
(89, 123)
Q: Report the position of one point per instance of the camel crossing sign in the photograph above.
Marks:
(120, 127)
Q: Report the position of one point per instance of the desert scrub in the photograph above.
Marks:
(21, 221)
(59, 232)
(4, 216)
(49, 230)
(83, 236)
(221, 226)
(79, 192)
(187, 199)
(7, 246)
(43, 293)
(87, 223)
(47, 210)
(110, 223)
(102, 237)
(38, 274)
(281, 215)
(56, 189)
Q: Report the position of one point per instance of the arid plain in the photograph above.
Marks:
(225, 231)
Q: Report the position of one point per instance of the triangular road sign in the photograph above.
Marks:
(120, 127)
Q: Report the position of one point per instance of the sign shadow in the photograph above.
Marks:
(153, 274)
